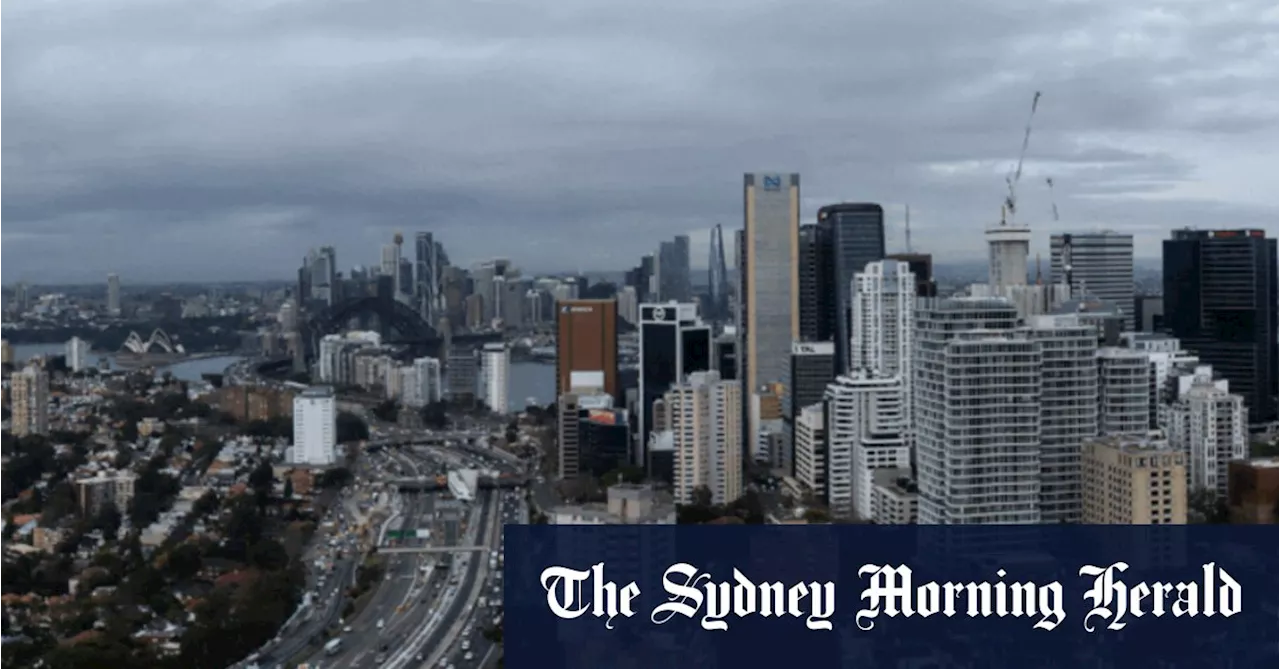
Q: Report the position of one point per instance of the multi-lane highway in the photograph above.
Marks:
(430, 608)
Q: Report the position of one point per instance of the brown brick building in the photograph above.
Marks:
(253, 403)
(587, 341)
(1252, 491)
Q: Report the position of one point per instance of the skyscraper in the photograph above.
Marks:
(816, 298)
(672, 267)
(855, 232)
(717, 277)
(882, 310)
(30, 388)
(1220, 299)
(315, 427)
(674, 343)
(769, 313)
(587, 341)
(427, 273)
(113, 294)
(866, 425)
(977, 442)
(495, 377)
(702, 413)
(1099, 264)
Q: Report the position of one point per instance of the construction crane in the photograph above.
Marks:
(1012, 179)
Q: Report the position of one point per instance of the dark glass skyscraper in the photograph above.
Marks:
(817, 296)
(673, 344)
(1220, 299)
(855, 233)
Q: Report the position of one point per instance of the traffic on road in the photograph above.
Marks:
(438, 585)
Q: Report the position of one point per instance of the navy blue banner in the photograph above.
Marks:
(871, 596)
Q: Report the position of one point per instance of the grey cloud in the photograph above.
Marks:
(577, 134)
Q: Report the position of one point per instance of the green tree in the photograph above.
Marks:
(108, 521)
(288, 488)
(351, 427)
(386, 411)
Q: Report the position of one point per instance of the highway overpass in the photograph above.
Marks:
(438, 483)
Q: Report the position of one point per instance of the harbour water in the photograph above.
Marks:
(186, 370)
(536, 380)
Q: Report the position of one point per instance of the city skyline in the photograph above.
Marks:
(229, 160)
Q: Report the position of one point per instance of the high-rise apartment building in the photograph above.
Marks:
(78, 351)
(866, 425)
(1068, 410)
(674, 343)
(855, 234)
(810, 448)
(495, 377)
(1133, 481)
(1209, 425)
(315, 428)
(30, 404)
(1098, 264)
(1124, 392)
(1220, 299)
(587, 341)
(768, 302)
(113, 294)
(702, 414)
(977, 414)
(882, 310)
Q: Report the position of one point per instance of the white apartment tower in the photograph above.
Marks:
(1209, 424)
(315, 431)
(30, 389)
(810, 448)
(1068, 410)
(1124, 392)
(77, 354)
(977, 414)
(1165, 356)
(866, 422)
(705, 422)
(883, 319)
(495, 377)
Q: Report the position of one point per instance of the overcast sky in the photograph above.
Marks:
(220, 139)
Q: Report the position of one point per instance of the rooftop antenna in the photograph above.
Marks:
(1011, 200)
(908, 228)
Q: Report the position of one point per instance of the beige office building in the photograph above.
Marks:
(30, 392)
(768, 263)
(1133, 481)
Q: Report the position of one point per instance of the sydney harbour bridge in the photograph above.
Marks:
(398, 323)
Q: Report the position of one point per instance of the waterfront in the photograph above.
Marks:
(186, 370)
(535, 380)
